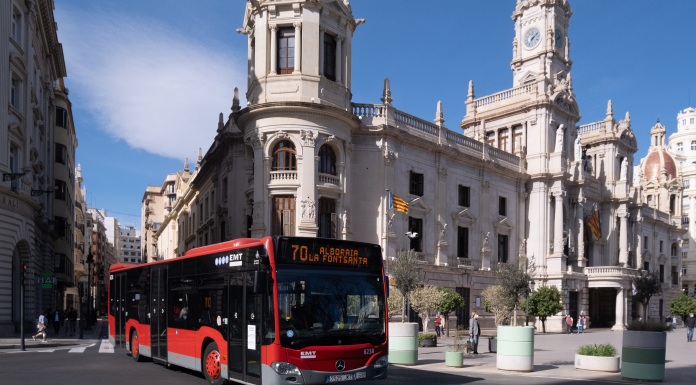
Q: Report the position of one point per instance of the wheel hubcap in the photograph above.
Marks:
(212, 364)
(135, 345)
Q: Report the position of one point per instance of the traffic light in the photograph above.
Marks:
(90, 258)
(24, 273)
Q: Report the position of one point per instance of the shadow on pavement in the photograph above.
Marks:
(402, 375)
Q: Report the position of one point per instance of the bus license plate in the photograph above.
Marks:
(341, 377)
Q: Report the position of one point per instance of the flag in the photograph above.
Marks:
(595, 224)
(397, 203)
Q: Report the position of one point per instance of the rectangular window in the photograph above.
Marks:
(415, 225)
(662, 273)
(463, 242)
(416, 184)
(660, 246)
(675, 276)
(645, 242)
(286, 50)
(502, 248)
(224, 189)
(61, 191)
(490, 138)
(15, 26)
(61, 117)
(329, 57)
(517, 139)
(284, 215)
(680, 146)
(464, 196)
(327, 218)
(206, 212)
(14, 93)
(502, 206)
(691, 121)
(502, 139)
(61, 154)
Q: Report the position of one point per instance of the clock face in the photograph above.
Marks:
(558, 36)
(532, 38)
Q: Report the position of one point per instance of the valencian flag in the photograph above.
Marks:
(595, 224)
(397, 203)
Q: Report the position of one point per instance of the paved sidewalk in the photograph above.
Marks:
(99, 331)
(554, 357)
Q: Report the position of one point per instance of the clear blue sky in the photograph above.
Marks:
(148, 78)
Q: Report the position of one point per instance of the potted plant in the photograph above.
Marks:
(455, 357)
(643, 350)
(601, 358)
(645, 342)
(427, 340)
(493, 345)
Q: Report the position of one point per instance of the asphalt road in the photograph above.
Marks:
(85, 364)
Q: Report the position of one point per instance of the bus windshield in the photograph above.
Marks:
(321, 307)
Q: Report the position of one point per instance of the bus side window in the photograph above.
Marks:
(181, 300)
(211, 302)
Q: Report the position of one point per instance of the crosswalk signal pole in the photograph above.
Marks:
(21, 306)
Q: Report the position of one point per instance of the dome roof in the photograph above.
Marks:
(655, 161)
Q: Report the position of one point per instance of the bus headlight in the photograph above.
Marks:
(382, 362)
(284, 368)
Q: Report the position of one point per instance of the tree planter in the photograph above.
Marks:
(492, 345)
(643, 355)
(599, 364)
(454, 359)
(515, 350)
(403, 343)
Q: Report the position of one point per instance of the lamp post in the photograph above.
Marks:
(530, 289)
(88, 320)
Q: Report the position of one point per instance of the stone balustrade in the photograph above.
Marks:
(610, 271)
(504, 95)
(328, 178)
(417, 123)
(368, 110)
(283, 176)
(590, 127)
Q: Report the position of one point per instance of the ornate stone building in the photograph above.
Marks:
(34, 225)
(515, 181)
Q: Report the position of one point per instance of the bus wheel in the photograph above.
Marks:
(135, 348)
(212, 366)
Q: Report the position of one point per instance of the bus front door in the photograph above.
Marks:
(158, 314)
(245, 329)
(120, 310)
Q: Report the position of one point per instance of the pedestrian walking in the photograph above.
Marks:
(690, 325)
(41, 327)
(438, 322)
(474, 330)
(668, 320)
(674, 322)
(56, 321)
(584, 324)
(72, 320)
(581, 325)
(569, 324)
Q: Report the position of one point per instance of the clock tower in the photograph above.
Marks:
(540, 48)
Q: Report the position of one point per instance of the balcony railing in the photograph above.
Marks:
(504, 95)
(589, 127)
(328, 178)
(417, 123)
(283, 176)
(610, 271)
(368, 110)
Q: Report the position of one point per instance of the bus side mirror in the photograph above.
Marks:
(260, 282)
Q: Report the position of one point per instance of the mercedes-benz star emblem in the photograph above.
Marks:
(340, 365)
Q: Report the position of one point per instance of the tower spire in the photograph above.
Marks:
(386, 93)
(235, 100)
(439, 115)
(186, 166)
(610, 110)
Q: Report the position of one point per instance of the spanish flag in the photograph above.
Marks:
(397, 203)
(595, 224)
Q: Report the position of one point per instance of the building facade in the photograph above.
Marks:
(130, 249)
(157, 203)
(31, 219)
(515, 182)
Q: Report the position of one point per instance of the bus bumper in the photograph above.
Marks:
(308, 377)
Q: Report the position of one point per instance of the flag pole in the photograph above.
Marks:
(386, 247)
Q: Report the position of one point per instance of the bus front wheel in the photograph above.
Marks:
(212, 368)
(135, 348)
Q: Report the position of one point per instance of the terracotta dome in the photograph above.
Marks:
(654, 163)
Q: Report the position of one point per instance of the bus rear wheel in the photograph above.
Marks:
(212, 368)
(135, 348)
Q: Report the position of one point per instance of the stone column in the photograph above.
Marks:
(307, 193)
(582, 261)
(623, 239)
(298, 47)
(339, 58)
(620, 308)
(558, 223)
(261, 172)
(274, 49)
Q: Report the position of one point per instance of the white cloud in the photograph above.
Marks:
(147, 83)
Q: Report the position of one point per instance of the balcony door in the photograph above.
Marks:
(284, 215)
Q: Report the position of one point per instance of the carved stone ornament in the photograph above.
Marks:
(349, 149)
(624, 169)
(523, 247)
(296, 10)
(282, 135)
(272, 11)
(256, 140)
(442, 172)
(258, 213)
(331, 139)
(486, 245)
(390, 157)
(485, 186)
(442, 228)
(308, 137)
(346, 219)
(308, 208)
(559, 138)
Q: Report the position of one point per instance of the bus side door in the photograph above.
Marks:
(120, 309)
(158, 318)
(245, 329)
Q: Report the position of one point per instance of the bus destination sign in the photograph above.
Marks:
(327, 252)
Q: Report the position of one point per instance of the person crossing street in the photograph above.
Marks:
(690, 325)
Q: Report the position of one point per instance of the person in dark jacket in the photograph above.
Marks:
(690, 325)
(474, 330)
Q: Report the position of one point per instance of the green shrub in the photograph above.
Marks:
(604, 350)
(649, 326)
(422, 337)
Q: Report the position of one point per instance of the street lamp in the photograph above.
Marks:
(530, 289)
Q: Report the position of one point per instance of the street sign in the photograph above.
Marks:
(46, 280)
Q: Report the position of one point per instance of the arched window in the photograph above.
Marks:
(327, 160)
(284, 156)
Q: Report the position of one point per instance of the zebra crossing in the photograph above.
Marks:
(104, 347)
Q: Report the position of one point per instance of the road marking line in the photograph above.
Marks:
(77, 350)
(47, 351)
(106, 347)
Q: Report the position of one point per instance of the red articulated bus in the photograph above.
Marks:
(277, 310)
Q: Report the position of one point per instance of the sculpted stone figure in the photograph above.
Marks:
(559, 139)
(624, 169)
(485, 241)
(578, 148)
